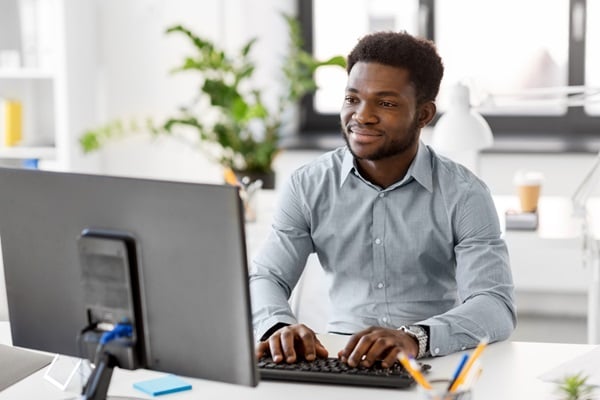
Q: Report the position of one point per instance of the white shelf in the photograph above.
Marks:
(25, 73)
(39, 84)
(41, 152)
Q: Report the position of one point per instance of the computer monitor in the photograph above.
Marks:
(190, 245)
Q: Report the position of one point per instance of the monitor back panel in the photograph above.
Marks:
(191, 249)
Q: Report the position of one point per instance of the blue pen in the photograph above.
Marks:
(459, 368)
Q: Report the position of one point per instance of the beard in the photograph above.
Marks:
(394, 148)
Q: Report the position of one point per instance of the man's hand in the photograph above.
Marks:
(377, 344)
(291, 343)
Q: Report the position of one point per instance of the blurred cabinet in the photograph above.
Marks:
(32, 74)
(47, 64)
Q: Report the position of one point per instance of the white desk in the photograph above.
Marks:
(510, 372)
(551, 259)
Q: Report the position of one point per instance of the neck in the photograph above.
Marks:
(387, 171)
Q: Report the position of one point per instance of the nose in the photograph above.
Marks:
(364, 115)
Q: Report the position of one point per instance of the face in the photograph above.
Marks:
(380, 117)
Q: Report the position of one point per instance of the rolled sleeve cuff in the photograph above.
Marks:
(438, 345)
(444, 340)
(263, 328)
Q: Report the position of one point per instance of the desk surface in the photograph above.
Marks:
(510, 372)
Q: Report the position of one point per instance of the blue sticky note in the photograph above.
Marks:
(165, 385)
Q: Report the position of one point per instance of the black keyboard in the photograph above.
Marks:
(333, 371)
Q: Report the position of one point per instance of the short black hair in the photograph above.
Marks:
(400, 49)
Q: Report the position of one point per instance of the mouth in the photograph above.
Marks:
(363, 136)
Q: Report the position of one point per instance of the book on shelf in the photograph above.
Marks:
(11, 112)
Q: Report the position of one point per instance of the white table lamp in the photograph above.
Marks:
(462, 132)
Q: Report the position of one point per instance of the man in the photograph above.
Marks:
(410, 240)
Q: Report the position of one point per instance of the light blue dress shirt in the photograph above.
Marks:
(426, 250)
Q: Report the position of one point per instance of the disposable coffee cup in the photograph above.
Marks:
(528, 184)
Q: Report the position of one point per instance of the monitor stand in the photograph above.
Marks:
(96, 387)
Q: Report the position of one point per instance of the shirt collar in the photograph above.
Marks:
(420, 169)
(347, 166)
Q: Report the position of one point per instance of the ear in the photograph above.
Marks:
(427, 111)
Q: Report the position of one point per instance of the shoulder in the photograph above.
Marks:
(453, 178)
(312, 184)
(326, 167)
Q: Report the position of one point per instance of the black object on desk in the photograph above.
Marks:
(333, 371)
(517, 220)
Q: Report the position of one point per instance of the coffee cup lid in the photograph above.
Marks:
(526, 177)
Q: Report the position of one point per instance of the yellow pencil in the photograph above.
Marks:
(414, 372)
(463, 374)
(472, 377)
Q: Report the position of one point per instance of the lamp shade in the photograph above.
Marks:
(461, 128)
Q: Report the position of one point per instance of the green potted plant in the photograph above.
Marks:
(575, 387)
(245, 130)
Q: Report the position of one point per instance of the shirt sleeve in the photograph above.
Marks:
(483, 276)
(279, 262)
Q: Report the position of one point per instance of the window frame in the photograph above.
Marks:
(574, 131)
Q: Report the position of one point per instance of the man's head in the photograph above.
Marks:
(399, 49)
(393, 79)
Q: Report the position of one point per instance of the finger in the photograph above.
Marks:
(381, 345)
(321, 351)
(308, 342)
(350, 345)
(313, 348)
(275, 347)
(375, 352)
(359, 353)
(261, 349)
(408, 345)
(287, 344)
(391, 357)
(387, 343)
(372, 347)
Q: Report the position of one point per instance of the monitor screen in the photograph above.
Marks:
(191, 254)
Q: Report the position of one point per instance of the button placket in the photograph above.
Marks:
(379, 273)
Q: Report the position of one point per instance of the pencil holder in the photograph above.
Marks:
(439, 391)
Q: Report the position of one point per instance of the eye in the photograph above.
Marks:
(387, 104)
(350, 100)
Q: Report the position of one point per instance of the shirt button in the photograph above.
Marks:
(381, 194)
(463, 348)
(380, 285)
(377, 241)
(436, 350)
(384, 319)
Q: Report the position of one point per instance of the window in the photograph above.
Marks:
(358, 16)
(522, 59)
(592, 52)
(505, 55)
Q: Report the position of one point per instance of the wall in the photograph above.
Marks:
(133, 80)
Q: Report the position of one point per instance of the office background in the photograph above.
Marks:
(113, 61)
